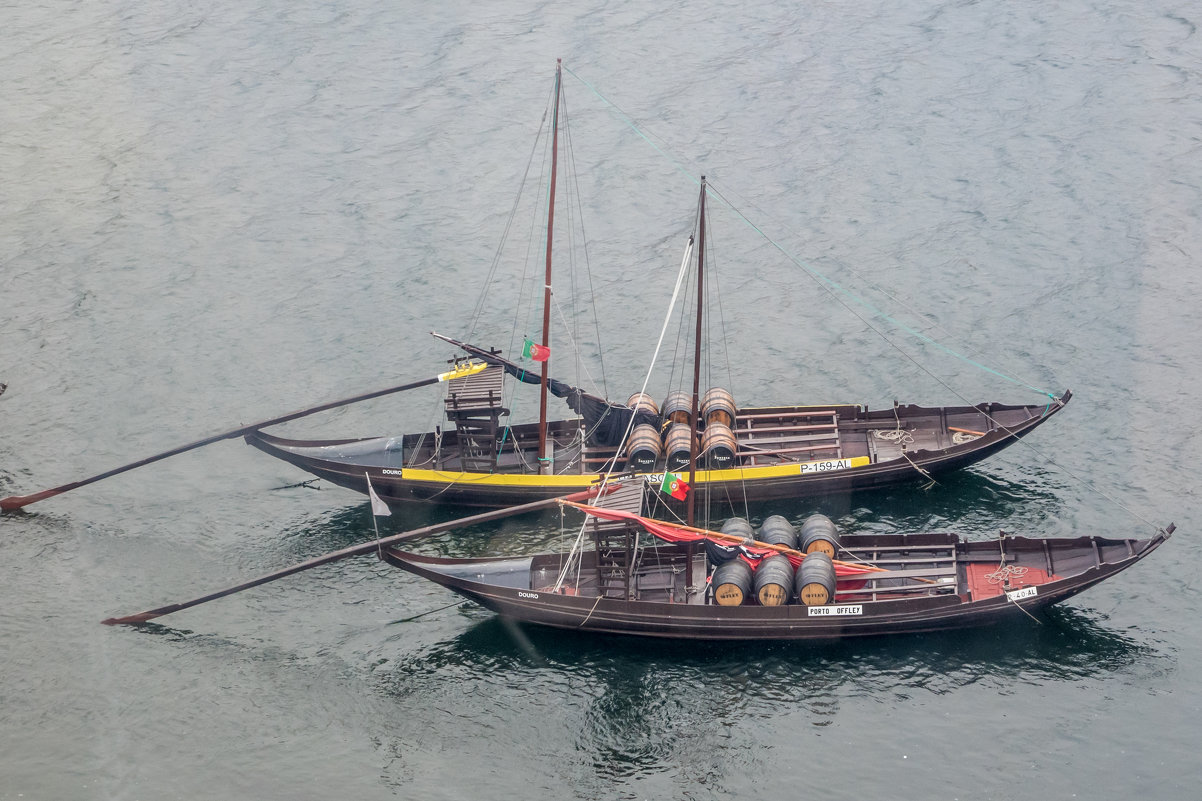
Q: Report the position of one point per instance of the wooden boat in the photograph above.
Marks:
(736, 450)
(627, 573)
(893, 583)
(781, 452)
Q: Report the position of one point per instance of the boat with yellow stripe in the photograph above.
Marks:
(851, 449)
(710, 440)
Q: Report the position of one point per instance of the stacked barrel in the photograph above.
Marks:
(773, 581)
(732, 578)
(643, 447)
(668, 431)
(718, 446)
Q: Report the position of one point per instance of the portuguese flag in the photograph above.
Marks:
(535, 351)
(675, 486)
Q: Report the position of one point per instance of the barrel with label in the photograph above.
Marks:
(645, 409)
(731, 582)
(718, 447)
(818, 533)
(718, 406)
(777, 530)
(644, 448)
(678, 407)
(677, 445)
(815, 583)
(774, 580)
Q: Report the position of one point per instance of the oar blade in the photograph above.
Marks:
(15, 502)
(133, 620)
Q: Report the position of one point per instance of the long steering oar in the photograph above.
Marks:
(354, 550)
(17, 501)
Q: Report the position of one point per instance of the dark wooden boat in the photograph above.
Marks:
(627, 573)
(735, 451)
(781, 452)
(922, 582)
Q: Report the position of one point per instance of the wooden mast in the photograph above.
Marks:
(690, 506)
(543, 460)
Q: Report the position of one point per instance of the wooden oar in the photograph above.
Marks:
(17, 501)
(354, 550)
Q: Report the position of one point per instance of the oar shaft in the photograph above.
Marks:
(17, 501)
(354, 550)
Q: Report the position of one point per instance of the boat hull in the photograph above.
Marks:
(506, 587)
(858, 465)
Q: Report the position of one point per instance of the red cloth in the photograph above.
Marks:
(673, 533)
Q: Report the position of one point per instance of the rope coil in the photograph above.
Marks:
(1003, 574)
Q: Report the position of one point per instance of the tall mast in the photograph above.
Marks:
(697, 359)
(542, 398)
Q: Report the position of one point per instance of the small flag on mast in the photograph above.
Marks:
(535, 351)
(378, 507)
(675, 486)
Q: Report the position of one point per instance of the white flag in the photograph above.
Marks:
(378, 507)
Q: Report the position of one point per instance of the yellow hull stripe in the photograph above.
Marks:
(582, 481)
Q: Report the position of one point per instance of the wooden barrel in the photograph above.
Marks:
(774, 580)
(678, 407)
(719, 552)
(644, 408)
(718, 406)
(818, 533)
(677, 444)
(644, 448)
(777, 530)
(738, 527)
(731, 582)
(815, 583)
(718, 447)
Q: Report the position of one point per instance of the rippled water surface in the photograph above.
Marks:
(215, 213)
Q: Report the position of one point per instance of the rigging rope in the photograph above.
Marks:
(857, 306)
(832, 286)
(479, 308)
(897, 436)
(531, 282)
(1004, 573)
(680, 275)
(612, 466)
(839, 292)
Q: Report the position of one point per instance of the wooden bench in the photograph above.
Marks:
(784, 436)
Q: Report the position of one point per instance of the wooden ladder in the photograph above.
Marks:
(473, 404)
(599, 458)
(615, 541)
